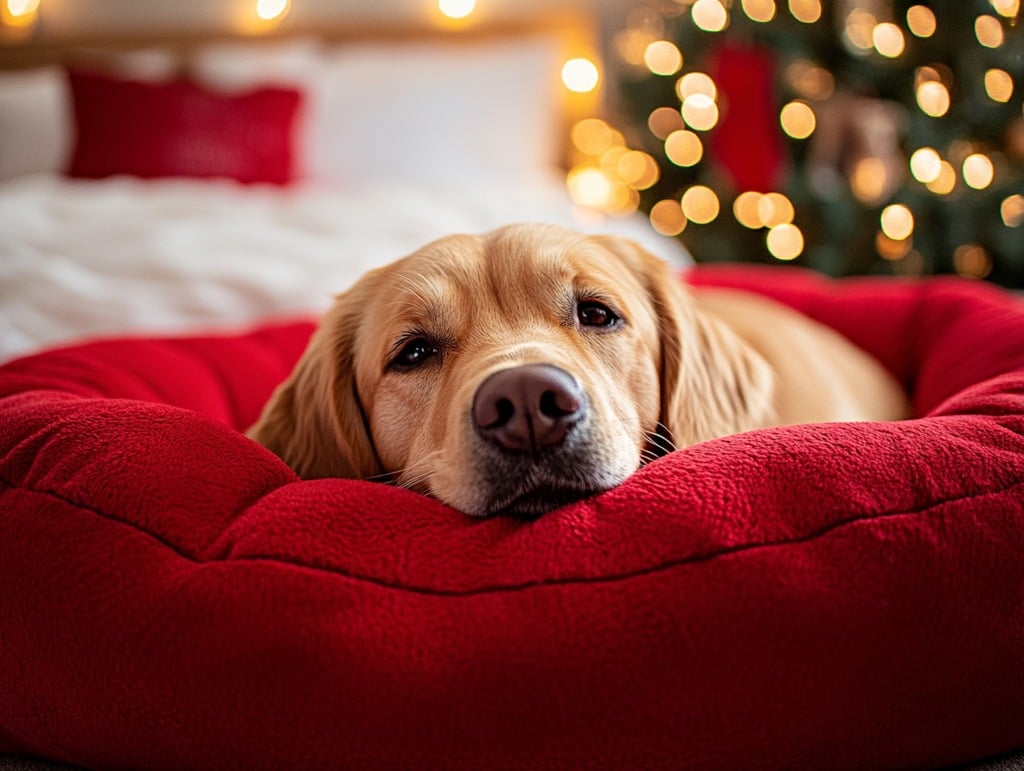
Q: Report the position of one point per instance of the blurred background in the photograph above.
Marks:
(850, 136)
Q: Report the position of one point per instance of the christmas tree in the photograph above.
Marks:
(853, 136)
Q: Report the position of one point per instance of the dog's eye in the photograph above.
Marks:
(594, 314)
(414, 353)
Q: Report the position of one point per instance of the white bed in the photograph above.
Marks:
(81, 258)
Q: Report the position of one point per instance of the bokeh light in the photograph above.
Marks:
(925, 164)
(888, 40)
(662, 57)
(456, 9)
(696, 83)
(897, 222)
(933, 98)
(945, 182)
(684, 148)
(663, 121)
(797, 120)
(972, 261)
(998, 85)
(700, 204)
(989, 31)
(978, 171)
(785, 242)
(807, 11)
(700, 112)
(921, 20)
(667, 217)
(710, 15)
(592, 136)
(1012, 210)
(745, 209)
(759, 10)
(580, 75)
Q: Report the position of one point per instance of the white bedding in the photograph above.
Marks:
(82, 259)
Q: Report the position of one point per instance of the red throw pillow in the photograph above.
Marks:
(180, 129)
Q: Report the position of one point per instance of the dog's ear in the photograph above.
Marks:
(314, 421)
(712, 382)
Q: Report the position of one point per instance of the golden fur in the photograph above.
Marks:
(680, 368)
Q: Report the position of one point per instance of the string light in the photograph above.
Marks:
(807, 11)
(663, 121)
(897, 222)
(700, 204)
(945, 182)
(797, 120)
(591, 136)
(700, 112)
(888, 40)
(1012, 210)
(745, 209)
(456, 9)
(710, 15)
(921, 20)
(785, 242)
(989, 31)
(933, 98)
(663, 58)
(998, 85)
(269, 10)
(696, 83)
(1007, 8)
(925, 165)
(684, 148)
(762, 11)
(978, 171)
(580, 75)
(972, 261)
(667, 217)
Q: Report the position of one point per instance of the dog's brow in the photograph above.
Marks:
(421, 297)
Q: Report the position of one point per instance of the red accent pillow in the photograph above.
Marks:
(180, 129)
(815, 596)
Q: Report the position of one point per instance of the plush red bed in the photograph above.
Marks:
(827, 595)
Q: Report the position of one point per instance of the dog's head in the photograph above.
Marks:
(512, 373)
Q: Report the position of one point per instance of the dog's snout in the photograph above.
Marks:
(529, 407)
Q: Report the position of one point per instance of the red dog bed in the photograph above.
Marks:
(826, 595)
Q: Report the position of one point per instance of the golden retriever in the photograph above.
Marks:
(523, 369)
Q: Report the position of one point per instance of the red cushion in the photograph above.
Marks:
(825, 595)
(180, 129)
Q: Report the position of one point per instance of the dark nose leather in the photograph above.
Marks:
(528, 408)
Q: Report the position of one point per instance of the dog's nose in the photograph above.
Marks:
(529, 407)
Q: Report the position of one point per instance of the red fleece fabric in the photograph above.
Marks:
(815, 596)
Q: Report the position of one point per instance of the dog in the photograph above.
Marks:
(521, 370)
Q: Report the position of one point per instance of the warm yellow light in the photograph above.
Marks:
(921, 20)
(888, 40)
(637, 169)
(684, 148)
(892, 250)
(807, 11)
(667, 217)
(663, 121)
(700, 112)
(998, 85)
(989, 31)
(972, 261)
(1007, 8)
(797, 120)
(663, 58)
(978, 171)
(700, 204)
(18, 9)
(945, 183)
(933, 98)
(589, 187)
(759, 10)
(925, 165)
(745, 209)
(810, 80)
(456, 9)
(869, 180)
(710, 15)
(774, 209)
(591, 136)
(897, 222)
(268, 10)
(859, 26)
(785, 242)
(696, 83)
(580, 75)
(1012, 210)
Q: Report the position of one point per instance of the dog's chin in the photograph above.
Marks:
(539, 500)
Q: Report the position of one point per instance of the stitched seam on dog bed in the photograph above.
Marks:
(612, 578)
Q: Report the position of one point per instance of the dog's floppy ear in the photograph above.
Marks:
(712, 382)
(314, 421)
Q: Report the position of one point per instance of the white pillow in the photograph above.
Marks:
(435, 113)
(35, 121)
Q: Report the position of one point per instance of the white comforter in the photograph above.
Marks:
(122, 256)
